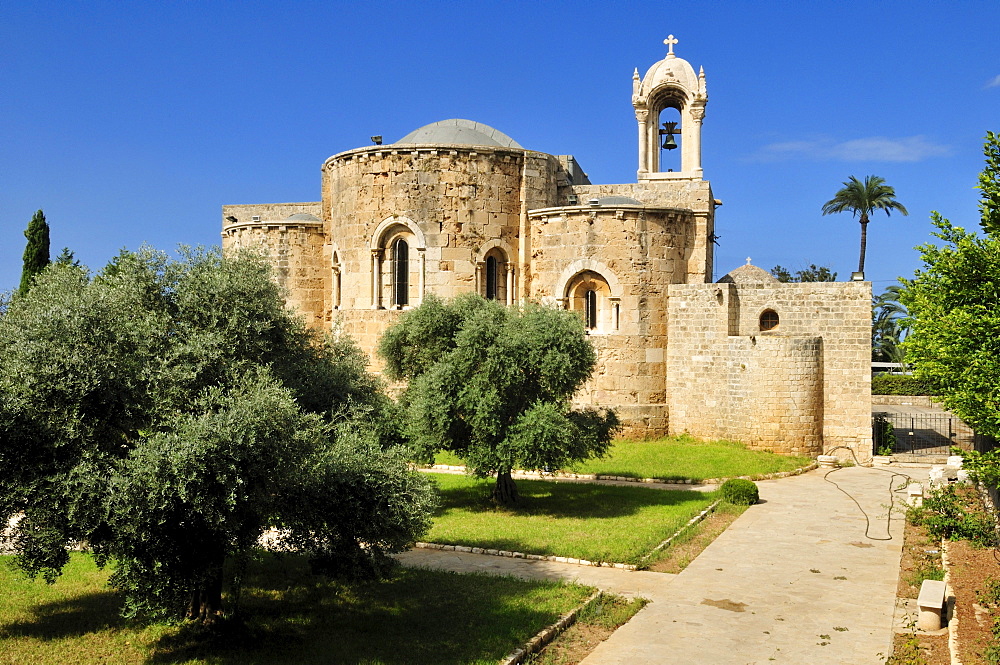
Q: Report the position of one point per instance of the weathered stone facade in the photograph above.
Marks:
(801, 386)
(457, 206)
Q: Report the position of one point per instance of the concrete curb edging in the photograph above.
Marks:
(691, 522)
(557, 475)
(522, 555)
(953, 618)
(546, 635)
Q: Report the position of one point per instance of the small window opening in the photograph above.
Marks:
(590, 310)
(768, 320)
(491, 277)
(400, 273)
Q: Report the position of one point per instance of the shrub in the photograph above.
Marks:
(902, 384)
(739, 491)
(883, 434)
(948, 515)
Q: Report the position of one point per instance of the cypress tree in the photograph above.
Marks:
(36, 253)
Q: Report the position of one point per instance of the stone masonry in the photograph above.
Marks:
(457, 206)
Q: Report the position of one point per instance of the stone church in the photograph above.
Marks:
(459, 206)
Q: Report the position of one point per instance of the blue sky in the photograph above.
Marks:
(131, 123)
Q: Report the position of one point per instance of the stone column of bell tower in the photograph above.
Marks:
(670, 83)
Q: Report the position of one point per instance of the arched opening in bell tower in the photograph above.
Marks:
(667, 134)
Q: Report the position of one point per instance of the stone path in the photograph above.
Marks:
(794, 580)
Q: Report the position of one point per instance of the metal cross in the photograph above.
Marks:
(670, 41)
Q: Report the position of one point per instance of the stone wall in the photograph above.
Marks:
(297, 250)
(802, 387)
(456, 201)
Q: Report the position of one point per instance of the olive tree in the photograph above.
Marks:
(168, 413)
(493, 385)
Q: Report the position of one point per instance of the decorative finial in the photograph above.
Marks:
(670, 41)
(748, 260)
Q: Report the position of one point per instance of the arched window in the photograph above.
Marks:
(590, 309)
(491, 277)
(400, 273)
(588, 294)
(768, 320)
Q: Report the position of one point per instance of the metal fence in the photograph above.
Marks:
(924, 434)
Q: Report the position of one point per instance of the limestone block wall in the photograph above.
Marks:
(456, 200)
(639, 252)
(693, 197)
(840, 313)
(803, 387)
(297, 250)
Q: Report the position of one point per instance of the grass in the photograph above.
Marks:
(594, 624)
(692, 541)
(578, 520)
(416, 617)
(675, 458)
(678, 458)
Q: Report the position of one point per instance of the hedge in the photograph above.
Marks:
(901, 384)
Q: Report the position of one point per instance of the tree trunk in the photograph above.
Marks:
(206, 603)
(505, 491)
(864, 242)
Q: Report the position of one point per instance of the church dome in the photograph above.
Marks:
(749, 274)
(671, 71)
(459, 132)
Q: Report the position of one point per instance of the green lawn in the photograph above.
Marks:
(677, 458)
(578, 520)
(687, 457)
(292, 617)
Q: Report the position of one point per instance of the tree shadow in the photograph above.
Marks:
(567, 500)
(416, 617)
(71, 617)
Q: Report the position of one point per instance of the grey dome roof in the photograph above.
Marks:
(303, 217)
(459, 132)
(749, 274)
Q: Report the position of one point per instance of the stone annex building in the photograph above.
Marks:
(458, 206)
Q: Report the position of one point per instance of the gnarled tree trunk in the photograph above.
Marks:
(206, 603)
(505, 491)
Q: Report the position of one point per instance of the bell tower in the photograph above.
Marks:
(670, 84)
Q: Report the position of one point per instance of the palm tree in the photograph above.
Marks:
(862, 198)
(889, 326)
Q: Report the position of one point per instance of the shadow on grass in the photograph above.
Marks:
(71, 617)
(562, 500)
(416, 617)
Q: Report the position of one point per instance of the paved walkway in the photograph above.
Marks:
(800, 578)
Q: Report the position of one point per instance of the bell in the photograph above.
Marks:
(668, 133)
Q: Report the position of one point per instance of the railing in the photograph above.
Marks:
(924, 434)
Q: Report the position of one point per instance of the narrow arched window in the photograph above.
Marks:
(400, 273)
(590, 309)
(491, 277)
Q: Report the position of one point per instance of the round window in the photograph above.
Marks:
(768, 320)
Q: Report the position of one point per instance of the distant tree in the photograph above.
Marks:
(954, 311)
(67, 258)
(493, 385)
(167, 413)
(813, 273)
(36, 252)
(889, 326)
(989, 185)
(861, 199)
